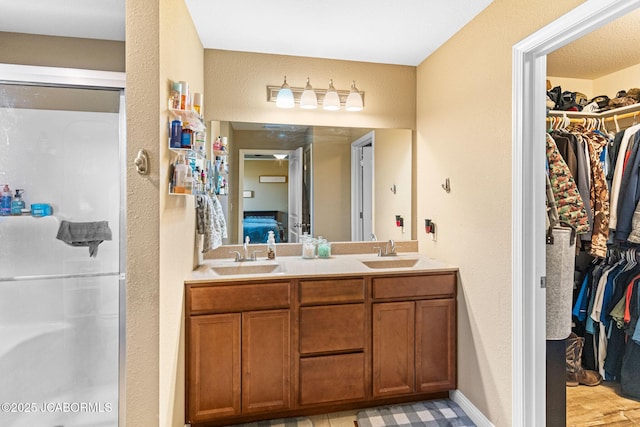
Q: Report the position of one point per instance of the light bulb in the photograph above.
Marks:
(331, 99)
(285, 96)
(354, 100)
(308, 100)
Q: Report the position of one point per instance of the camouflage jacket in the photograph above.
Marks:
(565, 191)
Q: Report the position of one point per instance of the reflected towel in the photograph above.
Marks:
(89, 234)
(210, 222)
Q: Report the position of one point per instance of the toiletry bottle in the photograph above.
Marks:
(184, 95)
(17, 205)
(197, 102)
(181, 174)
(176, 134)
(271, 246)
(5, 201)
(176, 95)
(188, 182)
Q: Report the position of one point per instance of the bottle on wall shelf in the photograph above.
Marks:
(176, 134)
(271, 246)
(197, 102)
(17, 205)
(175, 99)
(184, 96)
(180, 172)
(188, 182)
(5, 201)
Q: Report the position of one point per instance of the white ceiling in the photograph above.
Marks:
(381, 31)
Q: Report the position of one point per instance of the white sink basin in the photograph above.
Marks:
(391, 262)
(246, 268)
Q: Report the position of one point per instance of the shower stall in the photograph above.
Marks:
(62, 276)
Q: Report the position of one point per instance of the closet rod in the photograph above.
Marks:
(607, 119)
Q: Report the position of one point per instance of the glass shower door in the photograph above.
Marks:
(61, 275)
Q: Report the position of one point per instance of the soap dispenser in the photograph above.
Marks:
(271, 246)
(17, 205)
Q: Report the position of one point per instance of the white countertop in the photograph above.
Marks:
(296, 266)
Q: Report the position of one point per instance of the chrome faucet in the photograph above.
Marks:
(388, 250)
(244, 255)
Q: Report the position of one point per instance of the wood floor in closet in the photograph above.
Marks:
(601, 405)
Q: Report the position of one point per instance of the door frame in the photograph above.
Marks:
(356, 189)
(528, 194)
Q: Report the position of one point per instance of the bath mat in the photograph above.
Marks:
(431, 413)
(282, 422)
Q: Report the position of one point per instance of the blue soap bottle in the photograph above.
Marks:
(17, 205)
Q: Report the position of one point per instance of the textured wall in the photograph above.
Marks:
(181, 58)
(464, 133)
(67, 52)
(143, 219)
(236, 89)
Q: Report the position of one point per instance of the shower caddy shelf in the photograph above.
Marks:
(193, 121)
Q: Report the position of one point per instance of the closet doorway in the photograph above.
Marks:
(528, 200)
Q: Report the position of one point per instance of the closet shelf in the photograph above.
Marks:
(615, 114)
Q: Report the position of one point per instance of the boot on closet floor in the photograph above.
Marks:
(575, 374)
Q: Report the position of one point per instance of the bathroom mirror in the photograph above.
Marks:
(344, 184)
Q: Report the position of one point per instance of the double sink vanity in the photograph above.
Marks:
(287, 337)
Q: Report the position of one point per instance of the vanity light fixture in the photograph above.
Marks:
(280, 156)
(308, 99)
(285, 96)
(354, 100)
(331, 99)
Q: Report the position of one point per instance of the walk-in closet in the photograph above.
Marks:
(593, 228)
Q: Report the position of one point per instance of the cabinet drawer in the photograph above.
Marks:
(331, 328)
(434, 285)
(331, 291)
(332, 378)
(234, 298)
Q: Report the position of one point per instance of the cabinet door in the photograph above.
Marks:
(393, 348)
(214, 367)
(435, 345)
(266, 365)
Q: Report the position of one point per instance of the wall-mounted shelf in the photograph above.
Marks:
(189, 117)
(189, 152)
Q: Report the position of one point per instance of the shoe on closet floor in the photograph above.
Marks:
(575, 373)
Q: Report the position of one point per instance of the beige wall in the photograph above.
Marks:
(464, 133)
(393, 165)
(181, 58)
(574, 85)
(624, 79)
(331, 181)
(270, 196)
(143, 215)
(66, 52)
(161, 45)
(236, 89)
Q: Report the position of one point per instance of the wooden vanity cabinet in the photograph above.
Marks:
(414, 334)
(263, 349)
(332, 344)
(238, 363)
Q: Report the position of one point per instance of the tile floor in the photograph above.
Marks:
(336, 419)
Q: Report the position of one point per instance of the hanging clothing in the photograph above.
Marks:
(569, 203)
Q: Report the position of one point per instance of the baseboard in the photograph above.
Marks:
(469, 408)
